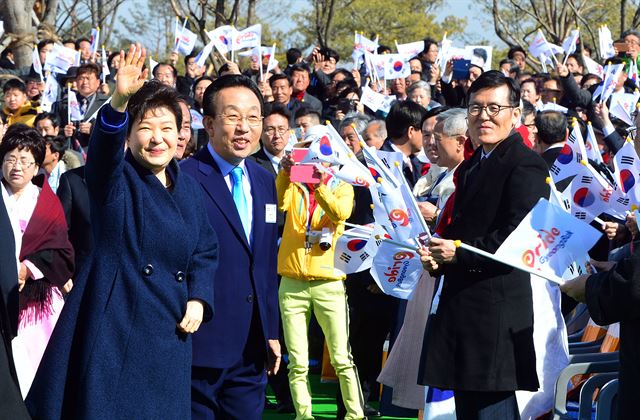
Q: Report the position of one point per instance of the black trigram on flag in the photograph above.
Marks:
(624, 201)
(586, 179)
(345, 257)
(627, 160)
(554, 169)
(580, 215)
(364, 256)
(378, 242)
(578, 157)
(566, 203)
(386, 163)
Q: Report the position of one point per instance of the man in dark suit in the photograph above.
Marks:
(231, 352)
(479, 341)
(283, 94)
(11, 404)
(552, 134)
(74, 197)
(274, 139)
(300, 79)
(89, 99)
(405, 135)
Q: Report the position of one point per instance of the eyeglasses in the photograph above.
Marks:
(24, 164)
(631, 42)
(234, 119)
(272, 130)
(492, 109)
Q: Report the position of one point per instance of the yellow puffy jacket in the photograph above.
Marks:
(26, 114)
(335, 203)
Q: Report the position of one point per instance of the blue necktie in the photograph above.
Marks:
(238, 197)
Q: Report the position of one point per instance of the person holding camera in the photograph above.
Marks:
(315, 216)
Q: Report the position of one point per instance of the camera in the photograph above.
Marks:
(326, 238)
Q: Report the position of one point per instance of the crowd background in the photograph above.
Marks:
(310, 86)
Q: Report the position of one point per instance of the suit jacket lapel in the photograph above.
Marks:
(489, 170)
(214, 184)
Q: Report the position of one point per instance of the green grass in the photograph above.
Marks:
(324, 402)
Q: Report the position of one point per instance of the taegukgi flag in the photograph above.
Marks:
(627, 173)
(222, 38)
(569, 161)
(396, 66)
(548, 240)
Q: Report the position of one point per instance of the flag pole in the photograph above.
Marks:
(68, 103)
(460, 244)
(233, 41)
(260, 62)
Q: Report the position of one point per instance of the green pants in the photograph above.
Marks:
(327, 299)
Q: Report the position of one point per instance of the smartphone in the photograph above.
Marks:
(305, 173)
(621, 47)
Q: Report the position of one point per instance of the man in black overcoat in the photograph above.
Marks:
(479, 341)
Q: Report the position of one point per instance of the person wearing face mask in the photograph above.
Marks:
(123, 346)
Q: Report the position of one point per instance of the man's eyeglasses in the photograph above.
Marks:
(270, 131)
(234, 119)
(24, 164)
(492, 109)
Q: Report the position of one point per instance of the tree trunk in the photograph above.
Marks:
(623, 5)
(50, 12)
(17, 20)
(251, 11)
(220, 18)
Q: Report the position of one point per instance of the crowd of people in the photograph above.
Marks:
(169, 258)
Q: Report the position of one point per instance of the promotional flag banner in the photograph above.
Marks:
(50, 93)
(396, 66)
(372, 99)
(633, 73)
(593, 67)
(611, 73)
(273, 63)
(201, 58)
(105, 65)
(569, 161)
(540, 46)
(375, 64)
(186, 40)
(37, 65)
(247, 38)
(221, 38)
(569, 44)
(152, 65)
(591, 145)
(605, 40)
(623, 105)
(547, 240)
(196, 119)
(396, 270)
(60, 58)
(411, 49)
(75, 114)
(95, 41)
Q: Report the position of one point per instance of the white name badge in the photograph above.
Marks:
(270, 213)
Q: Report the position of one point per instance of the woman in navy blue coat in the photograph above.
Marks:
(122, 345)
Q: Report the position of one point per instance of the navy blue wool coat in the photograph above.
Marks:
(115, 352)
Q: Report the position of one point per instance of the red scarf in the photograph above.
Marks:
(46, 231)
